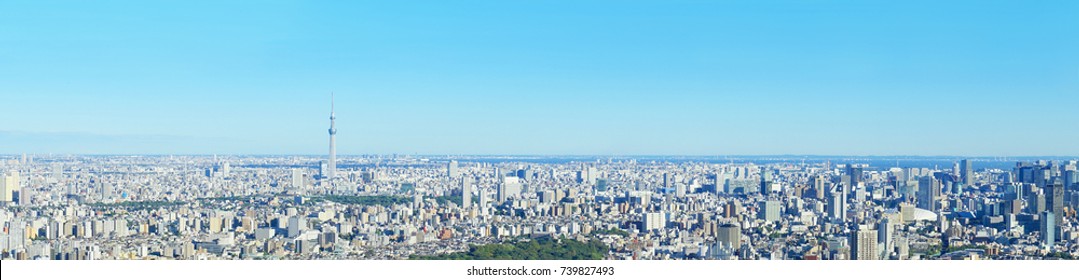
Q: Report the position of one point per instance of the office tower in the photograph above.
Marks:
(680, 190)
(886, 236)
(24, 197)
(226, 170)
(451, 169)
(601, 185)
(332, 164)
(587, 175)
(928, 193)
(57, 172)
(966, 172)
(296, 226)
(1036, 203)
(666, 180)
(769, 211)
(593, 175)
(1024, 172)
(863, 243)
(729, 235)
(485, 198)
(1048, 229)
(820, 186)
(721, 182)
(297, 179)
(654, 220)
(105, 188)
(766, 181)
(907, 212)
(1054, 201)
(855, 173)
(466, 193)
(1042, 174)
(509, 187)
(837, 204)
(860, 193)
(1071, 179)
(9, 185)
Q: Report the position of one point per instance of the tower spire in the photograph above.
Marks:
(332, 164)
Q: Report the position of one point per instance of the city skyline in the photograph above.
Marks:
(556, 138)
(602, 78)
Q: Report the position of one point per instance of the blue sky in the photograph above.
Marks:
(541, 77)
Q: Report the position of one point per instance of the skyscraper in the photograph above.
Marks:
(886, 237)
(509, 187)
(1054, 200)
(451, 169)
(297, 179)
(466, 193)
(57, 172)
(721, 182)
(766, 181)
(855, 173)
(9, 184)
(729, 235)
(928, 193)
(1048, 229)
(769, 211)
(837, 204)
(331, 171)
(863, 243)
(966, 172)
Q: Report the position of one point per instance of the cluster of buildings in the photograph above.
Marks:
(395, 207)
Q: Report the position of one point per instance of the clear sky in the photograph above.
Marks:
(541, 77)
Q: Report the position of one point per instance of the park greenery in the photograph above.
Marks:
(136, 205)
(383, 200)
(544, 248)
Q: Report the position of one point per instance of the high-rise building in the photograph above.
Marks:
(57, 172)
(509, 187)
(654, 220)
(296, 226)
(1054, 201)
(837, 204)
(331, 171)
(769, 211)
(1024, 172)
(451, 169)
(820, 186)
(855, 172)
(9, 184)
(297, 179)
(1071, 179)
(729, 235)
(766, 181)
(466, 193)
(666, 180)
(1048, 229)
(226, 170)
(485, 198)
(928, 193)
(886, 237)
(863, 243)
(966, 172)
(721, 182)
